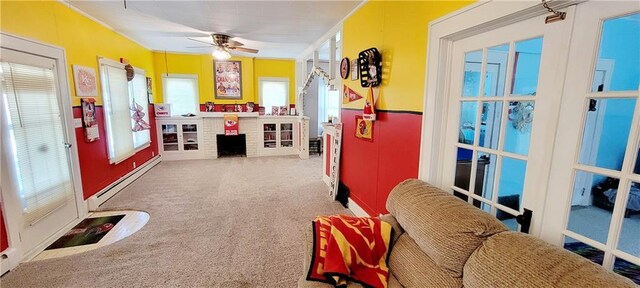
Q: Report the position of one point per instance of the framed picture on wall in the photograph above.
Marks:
(354, 69)
(227, 79)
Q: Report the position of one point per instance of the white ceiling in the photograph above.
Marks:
(279, 29)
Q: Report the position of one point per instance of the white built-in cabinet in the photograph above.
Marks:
(180, 138)
(278, 135)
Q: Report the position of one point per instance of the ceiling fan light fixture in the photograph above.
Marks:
(221, 54)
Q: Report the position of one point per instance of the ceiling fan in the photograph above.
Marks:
(223, 44)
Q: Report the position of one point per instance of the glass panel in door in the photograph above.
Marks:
(286, 134)
(170, 137)
(270, 136)
(190, 137)
(495, 130)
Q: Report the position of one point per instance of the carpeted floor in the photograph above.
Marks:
(234, 222)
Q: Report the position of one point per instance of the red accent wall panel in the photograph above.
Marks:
(372, 168)
(4, 240)
(95, 169)
(327, 156)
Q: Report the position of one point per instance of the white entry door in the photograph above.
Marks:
(36, 172)
(503, 98)
(593, 205)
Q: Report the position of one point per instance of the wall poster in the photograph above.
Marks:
(228, 79)
(89, 120)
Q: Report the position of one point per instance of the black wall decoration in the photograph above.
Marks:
(370, 63)
(344, 68)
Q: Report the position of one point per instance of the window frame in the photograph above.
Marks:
(261, 81)
(181, 76)
(139, 71)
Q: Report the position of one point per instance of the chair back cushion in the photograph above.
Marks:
(513, 259)
(445, 228)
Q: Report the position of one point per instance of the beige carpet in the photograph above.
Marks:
(234, 222)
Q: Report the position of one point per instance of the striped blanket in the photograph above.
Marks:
(347, 248)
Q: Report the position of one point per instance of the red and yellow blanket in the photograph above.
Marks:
(347, 248)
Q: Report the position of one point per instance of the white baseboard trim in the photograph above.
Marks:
(357, 210)
(96, 200)
(9, 259)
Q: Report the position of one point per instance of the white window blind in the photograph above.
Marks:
(181, 91)
(274, 92)
(117, 110)
(37, 139)
(138, 90)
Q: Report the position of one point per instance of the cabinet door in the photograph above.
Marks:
(286, 135)
(169, 137)
(270, 136)
(189, 136)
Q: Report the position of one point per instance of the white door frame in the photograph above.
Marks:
(10, 203)
(443, 32)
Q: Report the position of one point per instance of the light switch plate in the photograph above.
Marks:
(77, 122)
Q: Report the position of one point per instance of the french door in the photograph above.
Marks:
(38, 186)
(593, 202)
(503, 98)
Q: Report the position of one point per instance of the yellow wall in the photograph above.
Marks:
(398, 29)
(202, 66)
(83, 39)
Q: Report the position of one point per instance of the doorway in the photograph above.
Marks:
(563, 144)
(41, 191)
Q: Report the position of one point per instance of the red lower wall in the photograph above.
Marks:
(372, 168)
(4, 242)
(95, 169)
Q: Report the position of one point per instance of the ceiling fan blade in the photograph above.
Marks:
(249, 50)
(205, 42)
(201, 46)
(234, 43)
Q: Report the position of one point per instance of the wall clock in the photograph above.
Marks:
(344, 68)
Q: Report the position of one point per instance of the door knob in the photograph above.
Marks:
(67, 145)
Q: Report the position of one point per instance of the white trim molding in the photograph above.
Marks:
(356, 209)
(105, 194)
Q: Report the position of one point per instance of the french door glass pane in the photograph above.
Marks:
(485, 174)
(518, 130)
(496, 70)
(37, 138)
(630, 234)
(468, 112)
(618, 66)
(527, 66)
(606, 131)
(591, 205)
(627, 269)
(463, 168)
(490, 124)
(584, 250)
(507, 219)
(512, 182)
(472, 62)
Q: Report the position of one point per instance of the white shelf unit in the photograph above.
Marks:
(180, 138)
(277, 136)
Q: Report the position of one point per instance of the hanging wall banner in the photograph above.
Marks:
(364, 128)
(89, 121)
(334, 180)
(348, 95)
(230, 124)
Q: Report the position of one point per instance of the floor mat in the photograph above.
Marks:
(622, 267)
(89, 231)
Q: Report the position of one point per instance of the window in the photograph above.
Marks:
(120, 98)
(181, 91)
(274, 92)
(328, 103)
(138, 90)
